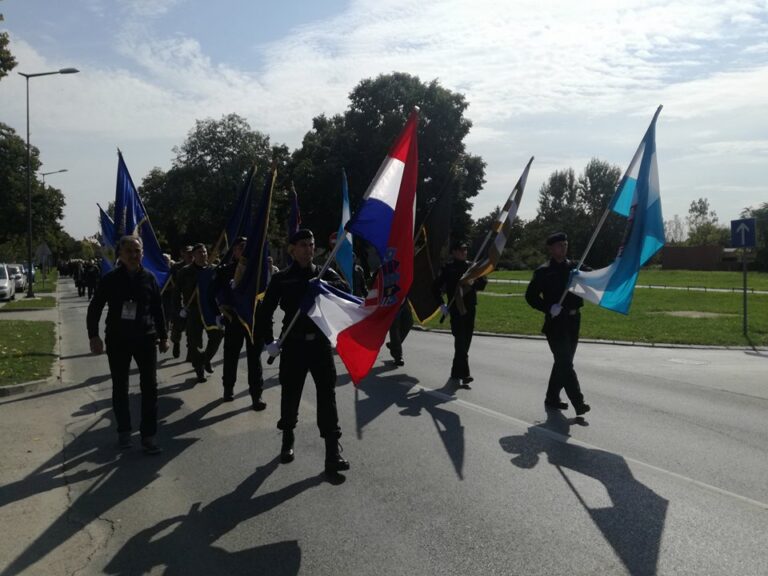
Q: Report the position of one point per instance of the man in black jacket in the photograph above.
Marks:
(462, 299)
(561, 322)
(304, 349)
(235, 333)
(135, 326)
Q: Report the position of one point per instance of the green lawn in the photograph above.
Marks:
(26, 351)
(648, 320)
(694, 279)
(23, 303)
(47, 285)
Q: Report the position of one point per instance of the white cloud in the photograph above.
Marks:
(556, 79)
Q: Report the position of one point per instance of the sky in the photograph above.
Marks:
(561, 80)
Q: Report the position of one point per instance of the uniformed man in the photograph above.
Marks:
(189, 281)
(401, 325)
(461, 308)
(135, 327)
(561, 322)
(178, 324)
(235, 333)
(304, 349)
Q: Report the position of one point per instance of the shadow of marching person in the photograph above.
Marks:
(116, 477)
(189, 546)
(384, 392)
(634, 524)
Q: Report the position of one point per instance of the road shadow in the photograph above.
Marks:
(113, 475)
(396, 390)
(634, 524)
(184, 544)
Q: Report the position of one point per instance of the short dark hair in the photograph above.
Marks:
(458, 245)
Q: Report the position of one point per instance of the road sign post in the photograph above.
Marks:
(743, 236)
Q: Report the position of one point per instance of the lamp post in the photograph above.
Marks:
(44, 174)
(30, 290)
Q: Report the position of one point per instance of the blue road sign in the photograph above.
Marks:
(743, 233)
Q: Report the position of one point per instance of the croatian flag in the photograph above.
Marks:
(637, 198)
(355, 327)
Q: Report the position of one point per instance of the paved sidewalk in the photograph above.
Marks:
(38, 314)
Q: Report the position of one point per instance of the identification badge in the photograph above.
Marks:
(129, 311)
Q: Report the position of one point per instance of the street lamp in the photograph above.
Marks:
(44, 174)
(30, 290)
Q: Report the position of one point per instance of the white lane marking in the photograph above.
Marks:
(570, 440)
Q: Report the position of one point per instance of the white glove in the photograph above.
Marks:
(555, 309)
(183, 313)
(232, 284)
(445, 310)
(273, 348)
(220, 321)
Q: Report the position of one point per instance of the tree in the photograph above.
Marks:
(674, 230)
(7, 61)
(47, 202)
(703, 228)
(575, 205)
(760, 215)
(191, 202)
(359, 139)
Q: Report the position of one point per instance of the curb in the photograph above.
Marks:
(610, 342)
(55, 377)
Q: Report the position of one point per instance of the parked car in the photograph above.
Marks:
(7, 284)
(18, 274)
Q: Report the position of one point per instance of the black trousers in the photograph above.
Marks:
(234, 334)
(399, 330)
(299, 357)
(119, 354)
(462, 328)
(195, 330)
(563, 338)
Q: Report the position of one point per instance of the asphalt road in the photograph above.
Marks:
(666, 475)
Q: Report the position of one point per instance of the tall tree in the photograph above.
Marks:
(47, 202)
(7, 61)
(703, 226)
(191, 202)
(575, 205)
(359, 139)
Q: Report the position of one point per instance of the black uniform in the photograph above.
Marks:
(178, 323)
(187, 288)
(91, 275)
(234, 334)
(462, 325)
(305, 349)
(401, 325)
(134, 323)
(562, 332)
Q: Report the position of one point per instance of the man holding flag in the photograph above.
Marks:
(562, 321)
(305, 349)
(461, 309)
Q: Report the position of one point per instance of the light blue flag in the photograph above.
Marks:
(637, 197)
(344, 257)
(131, 219)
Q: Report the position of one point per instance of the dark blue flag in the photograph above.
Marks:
(239, 221)
(252, 283)
(107, 228)
(131, 219)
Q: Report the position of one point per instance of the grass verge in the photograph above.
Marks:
(47, 285)
(681, 278)
(702, 318)
(26, 350)
(22, 303)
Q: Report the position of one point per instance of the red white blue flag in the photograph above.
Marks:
(385, 219)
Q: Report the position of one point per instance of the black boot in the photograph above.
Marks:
(286, 452)
(333, 460)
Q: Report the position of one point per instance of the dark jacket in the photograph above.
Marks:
(117, 287)
(287, 289)
(447, 281)
(547, 286)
